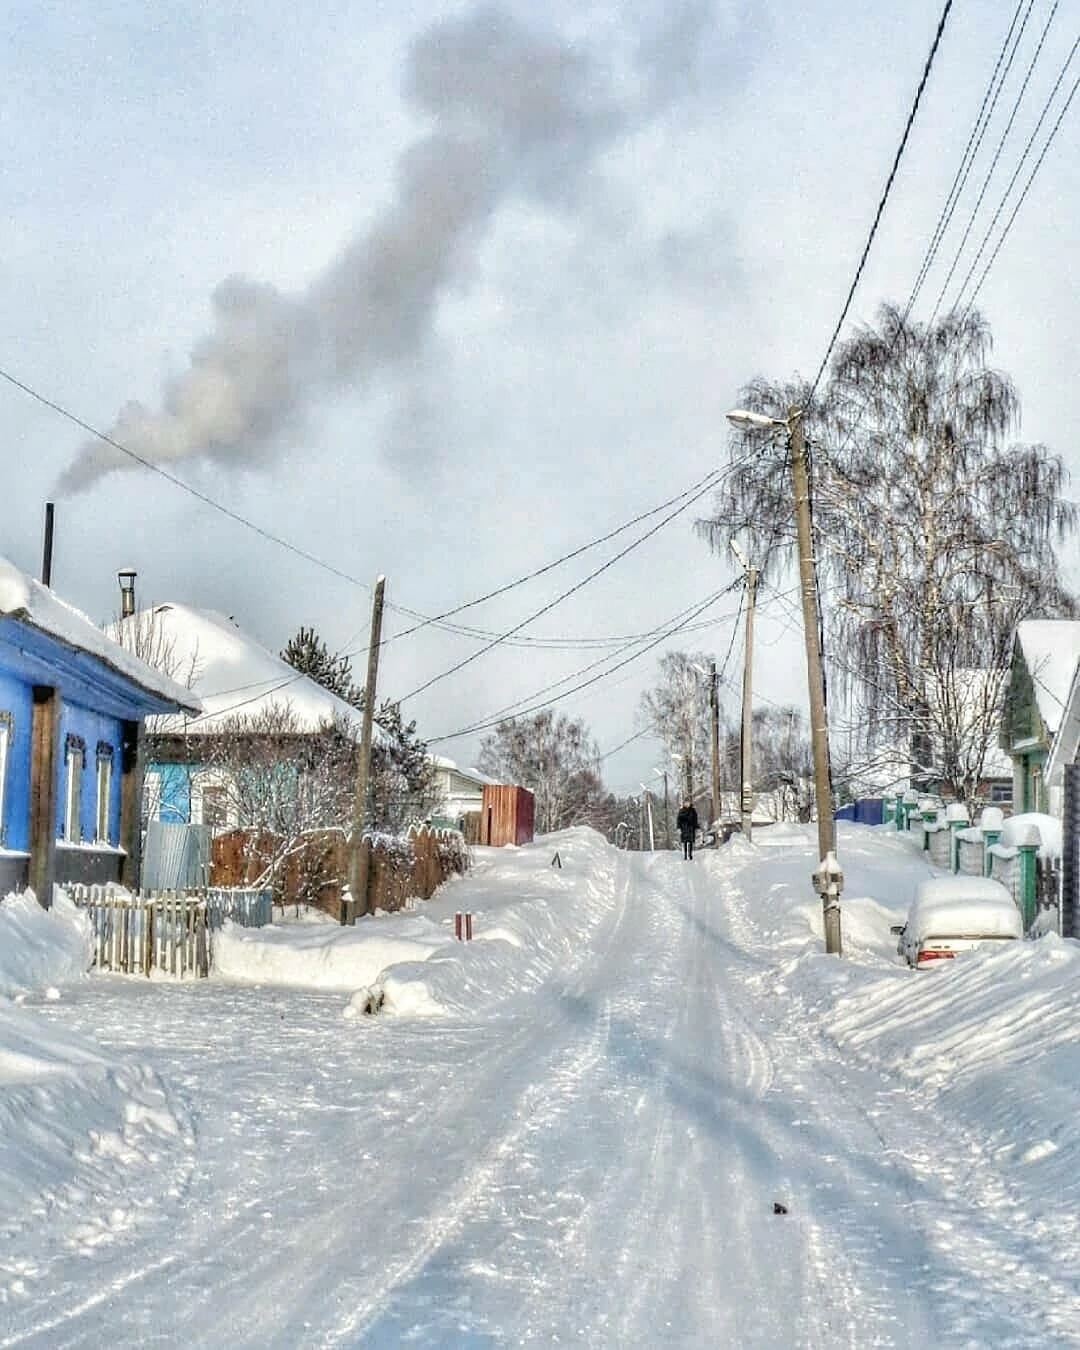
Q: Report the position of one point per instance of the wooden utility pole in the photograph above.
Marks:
(360, 847)
(714, 708)
(819, 733)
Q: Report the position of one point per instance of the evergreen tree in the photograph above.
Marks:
(307, 653)
(402, 774)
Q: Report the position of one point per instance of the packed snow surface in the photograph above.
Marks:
(642, 1108)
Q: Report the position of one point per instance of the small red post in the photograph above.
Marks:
(457, 925)
(468, 927)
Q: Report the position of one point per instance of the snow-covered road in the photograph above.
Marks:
(592, 1159)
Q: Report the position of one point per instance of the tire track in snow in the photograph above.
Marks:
(569, 1046)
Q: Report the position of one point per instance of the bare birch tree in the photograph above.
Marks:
(934, 533)
(678, 706)
(557, 760)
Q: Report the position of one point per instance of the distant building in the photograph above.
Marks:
(458, 792)
(1041, 675)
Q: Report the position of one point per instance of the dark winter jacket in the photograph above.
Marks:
(687, 822)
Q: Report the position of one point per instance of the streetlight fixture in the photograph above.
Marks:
(828, 879)
(126, 579)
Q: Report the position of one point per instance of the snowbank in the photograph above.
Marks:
(40, 948)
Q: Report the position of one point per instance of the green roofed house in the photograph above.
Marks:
(1044, 661)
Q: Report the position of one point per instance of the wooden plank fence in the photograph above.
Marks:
(401, 867)
(165, 931)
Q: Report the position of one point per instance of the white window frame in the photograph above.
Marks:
(104, 790)
(215, 780)
(152, 794)
(7, 726)
(75, 759)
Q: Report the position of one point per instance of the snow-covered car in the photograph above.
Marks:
(953, 914)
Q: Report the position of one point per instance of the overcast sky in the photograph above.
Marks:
(446, 292)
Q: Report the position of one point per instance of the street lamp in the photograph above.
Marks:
(828, 879)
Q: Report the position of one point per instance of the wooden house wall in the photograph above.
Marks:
(37, 706)
(16, 699)
(93, 729)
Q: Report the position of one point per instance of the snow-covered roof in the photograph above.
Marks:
(451, 766)
(232, 674)
(31, 602)
(1050, 648)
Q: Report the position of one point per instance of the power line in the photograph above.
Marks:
(994, 163)
(1027, 186)
(544, 609)
(967, 160)
(486, 725)
(884, 198)
(677, 624)
(693, 492)
(688, 496)
(177, 482)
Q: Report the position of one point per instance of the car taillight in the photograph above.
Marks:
(926, 957)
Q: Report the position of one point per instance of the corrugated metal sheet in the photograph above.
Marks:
(175, 857)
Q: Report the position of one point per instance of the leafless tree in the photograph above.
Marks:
(556, 759)
(282, 783)
(934, 533)
(144, 636)
(678, 706)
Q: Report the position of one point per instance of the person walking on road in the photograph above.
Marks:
(687, 822)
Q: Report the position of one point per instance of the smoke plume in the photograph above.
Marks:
(511, 112)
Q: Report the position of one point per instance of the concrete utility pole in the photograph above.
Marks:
(662, 773)
(746, 780)
(648, 806)
(360, 850)
(714, 709)
(828, 878)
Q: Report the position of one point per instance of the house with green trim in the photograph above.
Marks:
(1044, 659)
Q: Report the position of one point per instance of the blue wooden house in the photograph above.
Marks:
(72, 704)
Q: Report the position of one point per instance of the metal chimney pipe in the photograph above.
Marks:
(126, 577)
(46, 557)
